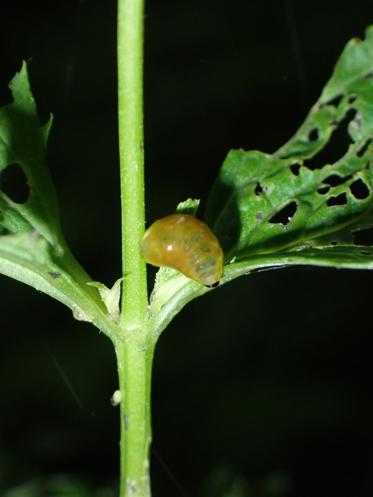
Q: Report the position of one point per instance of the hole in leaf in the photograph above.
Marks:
(284, 215)
(334, 101)
(337, 200)
(323, 190)
(363, 237)
(359, 189)
(363, 149)
(13, 182)
(294, 168)
(352, 99)
(335, 180)
(336, 147)
(313, 135)
(334, 242)
(258, 189)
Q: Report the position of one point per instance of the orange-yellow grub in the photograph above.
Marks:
(185, 243)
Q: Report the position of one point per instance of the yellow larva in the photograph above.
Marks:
(185, 243)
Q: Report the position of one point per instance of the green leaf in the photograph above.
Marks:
(110, 297)
(28, 258)
(32, 247)
(296, 206)
(189, 206)
(23, 145)
(263, 204)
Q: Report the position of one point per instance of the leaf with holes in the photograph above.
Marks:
(301, 205)
(288, 202)
(32, 248)
(29, 225)
(27, 195)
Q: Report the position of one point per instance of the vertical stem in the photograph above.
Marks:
(134, 368)
(133, 354)
(131, 154)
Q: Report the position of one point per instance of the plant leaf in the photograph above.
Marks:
(110, 297)
(300, 205)
(23, 145)
(189, 206)
(27, 258)
(168, 300)
(32, 247)
(263, 204)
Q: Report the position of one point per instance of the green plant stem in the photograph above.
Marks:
(131, 154)
(134, 368)
(133, 354)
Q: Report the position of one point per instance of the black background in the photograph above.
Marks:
(262, 388)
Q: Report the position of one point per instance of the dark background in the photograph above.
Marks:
(262, 388)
